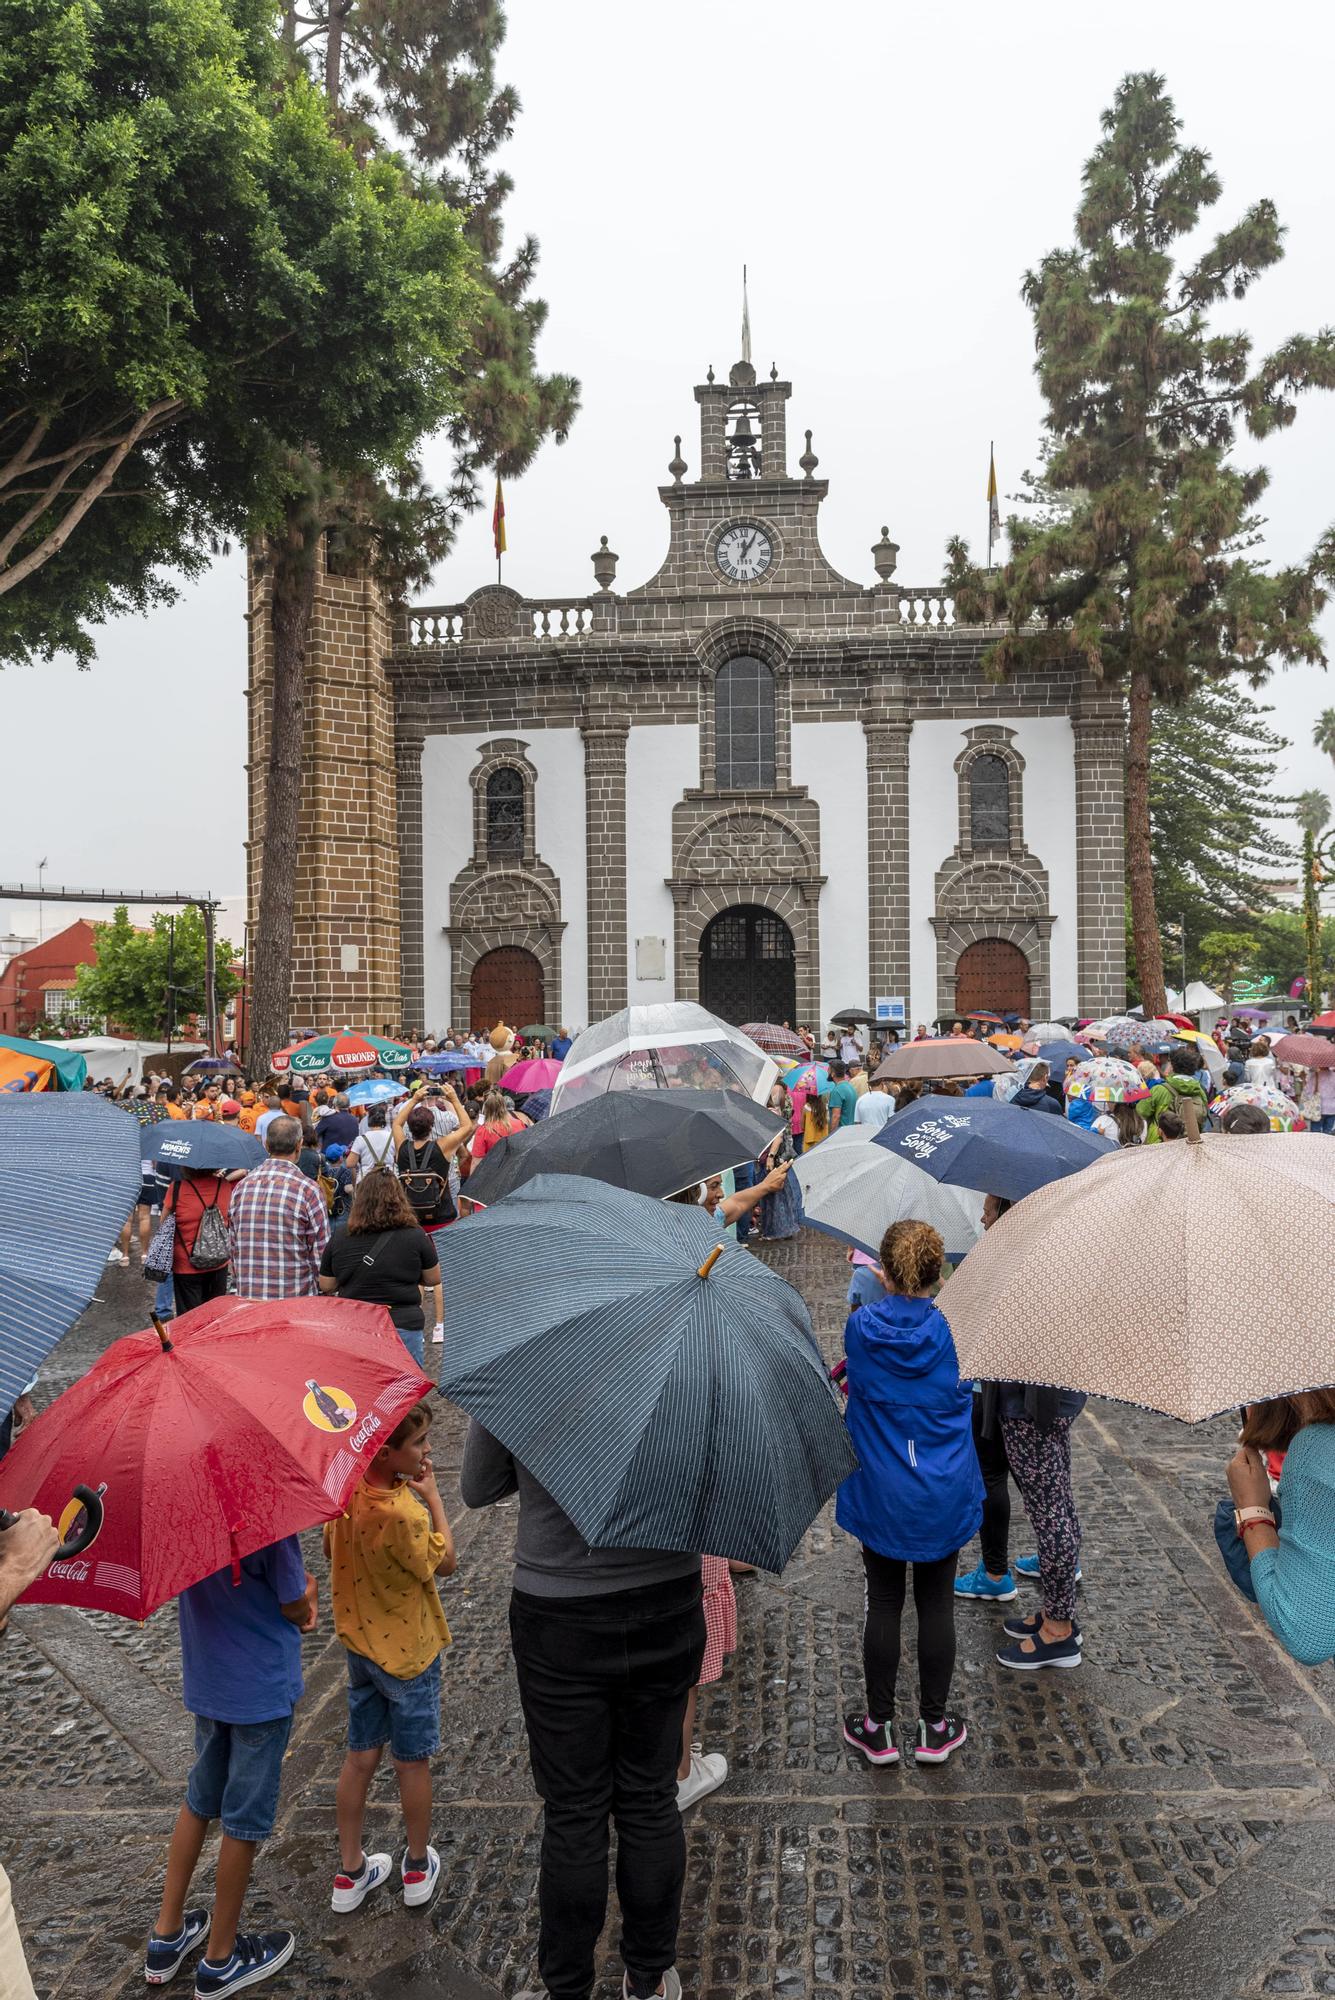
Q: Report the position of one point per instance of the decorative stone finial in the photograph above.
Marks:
(605, 562)
(885, 554)
(742, 375)
(808, 460)
(710, 376)
(677, 464)
(774, 371)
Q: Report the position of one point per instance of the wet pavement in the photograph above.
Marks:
(1159, 1823)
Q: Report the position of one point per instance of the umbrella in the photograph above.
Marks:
(781, 1043)
(28, 1066)
(653, 1141)
(1282, 1112)
(1304, 1051)
(1122, 1031)
(1006, 1041)
(200, 1144)
(1107, 1080)
(944, 1055)
(852, 1017)
(854, 1191)
(69, 1174)
(1317, 1021)
(1206, 1048)
(341, 1053)
(1039, 1032)
(999, 1020)
(1044, 1296)
(212, 1066)
(540, 1073)
(445, 1062)
(537, 1105)
(807, 1076)
(537, 1031)
(1002, 1149)
(1249, 1014)
(659, 1047)
(243, 1421)
(1057, 1053)
(662, 1384)
(377, 1090)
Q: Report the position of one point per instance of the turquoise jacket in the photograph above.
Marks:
(1295, 1583)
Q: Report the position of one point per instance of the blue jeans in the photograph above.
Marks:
(383, 1709)
(414, 1339)
(744, 1177)
(237, 1771)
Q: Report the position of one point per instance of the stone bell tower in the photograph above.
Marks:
(345, 970)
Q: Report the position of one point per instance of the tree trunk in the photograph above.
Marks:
(1139, 853)
(1311, 921)
(271, 958)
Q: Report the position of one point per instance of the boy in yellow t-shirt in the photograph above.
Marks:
(385, 1554)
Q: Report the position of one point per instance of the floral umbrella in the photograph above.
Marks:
(1106, 1080)
(1121, 1032)
(1282, 1112)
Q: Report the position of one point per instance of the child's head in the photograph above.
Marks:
(912, 1254)
(407, 1448)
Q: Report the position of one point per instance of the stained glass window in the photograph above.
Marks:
(989, 802)
(505, 814)
(744, 725)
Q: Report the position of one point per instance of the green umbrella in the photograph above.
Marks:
(343, 1053)
(537, 1031)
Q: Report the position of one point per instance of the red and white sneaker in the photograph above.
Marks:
(419, 1884)
(351, 1891)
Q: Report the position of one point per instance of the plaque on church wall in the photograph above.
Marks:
(650, 958)
(349, 958)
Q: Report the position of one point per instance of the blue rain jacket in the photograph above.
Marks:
(917, 1494)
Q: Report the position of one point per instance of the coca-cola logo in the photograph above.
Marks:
(364, 1432)
(76, 1570)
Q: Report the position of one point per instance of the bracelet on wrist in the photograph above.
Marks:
(1257, 1521)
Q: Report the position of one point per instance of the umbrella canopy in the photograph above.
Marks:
(200, 1144)
(1248, 1014)
(659, 1048)
(1002, 1149)
(28, 1065)
(1206, 1048)
(999, 1020)
(540, 1073)
(212, 1066)
(446, 1062)
(1326, 1020)
(1006, 1040)
(53, 1249)
(662, 1384)
(852, 1017)
(254, 1420)
(537, 1105)
(1304, 1051)
(537, 1031)
(781, 1043)
(1123, 1030)
(943, 1055)
(653, 1141)
(1107, 1080)
(1282, 1112)
(807, 1076)
(1200, 1347)
(1057, 1053)
(377, 1090)
(1039, 1032)
(342, 1053)
(854, 1191)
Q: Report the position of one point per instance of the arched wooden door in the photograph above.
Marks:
(748, 967)
(506, 986)
(992, 977)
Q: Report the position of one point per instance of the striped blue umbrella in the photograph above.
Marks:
(379, 1090)
(662, 1384)
(69, 1176)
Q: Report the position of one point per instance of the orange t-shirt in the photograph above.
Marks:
(290, 1105)
(175, 1111)
(249, 1113)
(204, 1110)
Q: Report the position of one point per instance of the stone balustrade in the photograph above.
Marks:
(505, 616)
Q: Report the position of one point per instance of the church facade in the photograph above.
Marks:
(749, 780)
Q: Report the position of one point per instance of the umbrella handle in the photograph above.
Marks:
(92, 1522)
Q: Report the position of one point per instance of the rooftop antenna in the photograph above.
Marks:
(746, 321)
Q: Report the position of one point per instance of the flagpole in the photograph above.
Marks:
(991, 462)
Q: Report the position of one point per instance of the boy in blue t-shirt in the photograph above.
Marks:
(241, 1662)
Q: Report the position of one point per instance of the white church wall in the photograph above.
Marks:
(1047, 746)
(830, 759)
(661, 763)
(448, 762)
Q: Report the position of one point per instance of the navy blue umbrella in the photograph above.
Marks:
(200, 1144)
(1057, 1054)
(662, 1384)
(69, 1176)
(1001, 1149)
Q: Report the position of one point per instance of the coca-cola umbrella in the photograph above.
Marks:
(243, 1421)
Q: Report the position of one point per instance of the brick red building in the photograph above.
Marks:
(37, 984)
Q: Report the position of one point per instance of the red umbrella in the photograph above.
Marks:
(1323, 1020)
(243, 1421)
(774, 1040)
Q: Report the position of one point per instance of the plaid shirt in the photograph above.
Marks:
(279, 1226)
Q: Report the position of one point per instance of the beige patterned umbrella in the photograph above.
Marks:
(942, 1055)
(1186, 1277)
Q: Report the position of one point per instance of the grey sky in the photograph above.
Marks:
(887, 172)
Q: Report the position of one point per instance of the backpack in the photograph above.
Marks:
(428, 1190)
(383, 1158)
(212, 1245)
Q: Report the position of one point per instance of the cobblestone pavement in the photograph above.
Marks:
(1158, 1824)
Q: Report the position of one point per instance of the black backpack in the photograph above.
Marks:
(425, 1184)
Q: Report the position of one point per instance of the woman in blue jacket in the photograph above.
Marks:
(917, 1496)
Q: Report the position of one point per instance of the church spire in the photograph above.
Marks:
(746, 321)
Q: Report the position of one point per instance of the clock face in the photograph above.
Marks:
(744, 551)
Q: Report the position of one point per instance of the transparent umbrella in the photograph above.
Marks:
(674, 1045)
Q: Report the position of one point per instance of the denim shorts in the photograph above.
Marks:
(383, 1709)
(237, 1770)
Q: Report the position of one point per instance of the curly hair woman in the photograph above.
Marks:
(917, 1496)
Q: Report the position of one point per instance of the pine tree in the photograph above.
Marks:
(1151, 580)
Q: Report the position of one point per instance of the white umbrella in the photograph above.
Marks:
(855, 1190)
(668, 1046)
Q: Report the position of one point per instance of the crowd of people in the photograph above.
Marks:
(612, 1645)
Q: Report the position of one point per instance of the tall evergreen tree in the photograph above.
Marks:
(1150, 579)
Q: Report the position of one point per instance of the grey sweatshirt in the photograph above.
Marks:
(552, 1558)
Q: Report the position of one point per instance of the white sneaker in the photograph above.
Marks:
(707, 1774)
(419, 1885)
(671, 1987)
(351, 1891)
(115, 1256)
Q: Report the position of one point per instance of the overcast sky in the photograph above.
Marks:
(888, 172)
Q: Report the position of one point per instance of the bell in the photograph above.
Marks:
(743, 437)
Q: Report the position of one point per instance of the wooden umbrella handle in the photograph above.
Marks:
(710, 1261)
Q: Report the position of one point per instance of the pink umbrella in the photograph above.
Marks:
(539, 1073)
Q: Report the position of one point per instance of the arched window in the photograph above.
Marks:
(744, 725)
(989, 802)
(505, 815)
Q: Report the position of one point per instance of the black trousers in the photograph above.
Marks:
(995, 1533)
(195, 1288)
(603, 1682)
(934, 1600)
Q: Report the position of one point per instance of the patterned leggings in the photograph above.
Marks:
(1040, 1464)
